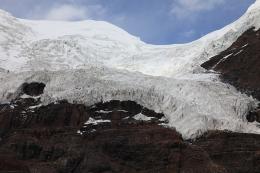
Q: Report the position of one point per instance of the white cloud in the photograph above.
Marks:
(69, 12)
(189, 33)
(188, 8)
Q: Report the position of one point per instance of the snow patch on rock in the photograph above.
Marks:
(142, 117)
(93, 121)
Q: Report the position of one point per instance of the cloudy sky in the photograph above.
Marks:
(154, 21)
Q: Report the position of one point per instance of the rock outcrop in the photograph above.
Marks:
(238, 153)
(107, 137)
(239, 64)
(33, 89)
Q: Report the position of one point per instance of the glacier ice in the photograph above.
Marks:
(191, 106)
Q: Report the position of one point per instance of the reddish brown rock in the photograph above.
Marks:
(33, 89)
(46, 140)
(39, 145)
(239, 65)
(238, 153)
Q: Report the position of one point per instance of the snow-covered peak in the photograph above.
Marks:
(255, 6)
(4, 13)
(87, 28)
(59, 45)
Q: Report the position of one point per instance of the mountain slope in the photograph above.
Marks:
(89, 62)
(88, 97)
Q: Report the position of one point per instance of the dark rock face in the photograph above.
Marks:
(239, 65)
(33, 89)
(60, 138)
(254, 115)
(238, 153)
(56, 139)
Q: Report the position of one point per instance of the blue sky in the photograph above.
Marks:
(154, 21)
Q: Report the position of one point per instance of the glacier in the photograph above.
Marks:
(92, 61)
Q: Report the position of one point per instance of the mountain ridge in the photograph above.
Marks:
(113, 47)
